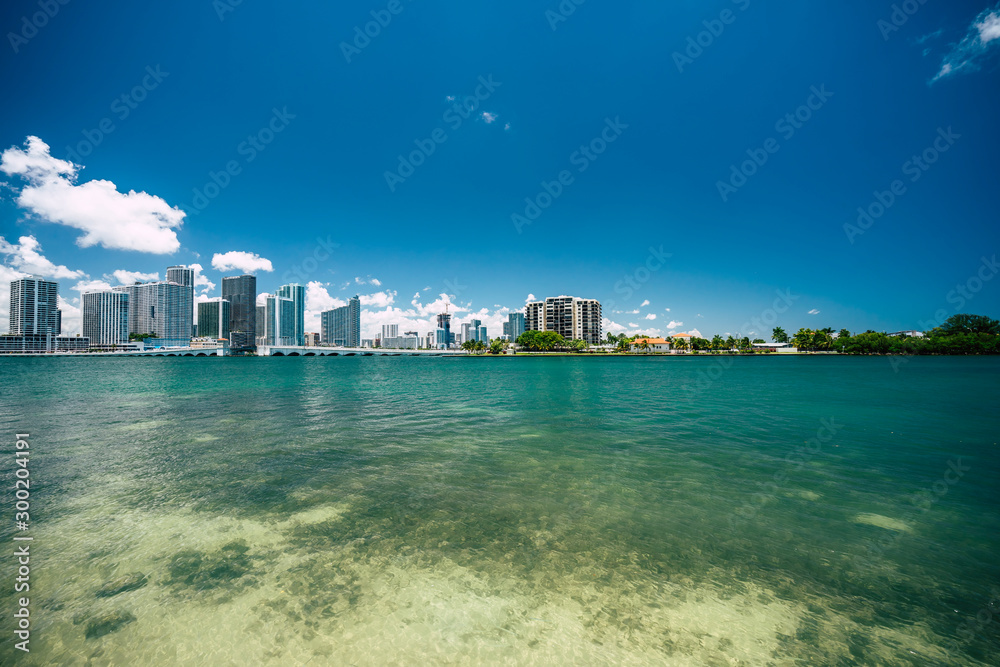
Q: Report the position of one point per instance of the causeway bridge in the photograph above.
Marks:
(306, 351)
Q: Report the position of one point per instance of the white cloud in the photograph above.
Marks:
(247, 262)
(651, 316)
(129, 277)
(644, 303)
(673, 324)
(92, 286)
(378, 299)
(506, 126)
(367, 281)
(450, 98)
(70, 317)
(489, 117)
(530, 298)
(200, 281)
(132, 221)
(814, 312)
(979, 41)
(426, 288)
(699, 315)
(262, 298)
(695, 333)
(634, 325)
(667, 309)
(26, 257)
(633, 312)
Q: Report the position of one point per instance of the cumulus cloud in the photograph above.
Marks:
(123, 221)
(530, 298)
(201, 282)
(26, 257)
(651, 316)
(378, 299)
(70, 317)
(979, 42)
(489, 117)
(667, 309)
(367, 281)
(129, 277)
(695, 333)
(673, 325)
(92, 286)
(262, 298)
(814, 311)
(237, 260)
(644, 303)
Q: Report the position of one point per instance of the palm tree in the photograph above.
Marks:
(717, 342)
(778, 335)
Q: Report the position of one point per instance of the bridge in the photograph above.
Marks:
(306, 351)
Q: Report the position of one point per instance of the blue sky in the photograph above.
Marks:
(643, 126)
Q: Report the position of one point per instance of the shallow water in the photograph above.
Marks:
(374, 510)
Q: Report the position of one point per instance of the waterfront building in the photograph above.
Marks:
(342, 326)
(104, 317)
(390, 331)
(650, 345)
(213, 319)
(160, 308)
(259, 324)
(444, 338)
(279, 321)
(514, 326)
(297, 293)
(367, 342)
(21, 343)
(481, 335)
(312, 339)
(401, 342)
(34, 307)
(183, 276)
(569, 316)
(241, 293)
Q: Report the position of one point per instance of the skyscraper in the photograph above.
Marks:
(444, 336)
(241, 293)
(34, 306)
(184, 276)
(261, 324)
(279, 321)
(514, 326)
(161, 308)
(569, 316)
(297, 293)
(342, 326)
(213, 319)
(105, 317)
(390, 331)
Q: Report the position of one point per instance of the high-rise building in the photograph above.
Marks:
(160, 308)
(390, 331)
(297, 293)
(481, 334)
(213, 319)
(184, 276)
(444, 337)
(34, 307)
(261, 324)
(342, 326)
(514, 326)
(279, 321)
(241, 293)
(569, 316)
(105, 317)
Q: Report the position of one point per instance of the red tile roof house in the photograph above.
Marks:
(651, 345)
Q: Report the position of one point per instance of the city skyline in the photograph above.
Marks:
(729, 204)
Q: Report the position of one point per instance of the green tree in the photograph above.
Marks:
(778, 335)
(969, 324)
(717, 342)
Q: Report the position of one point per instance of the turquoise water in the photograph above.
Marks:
(377, 510)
